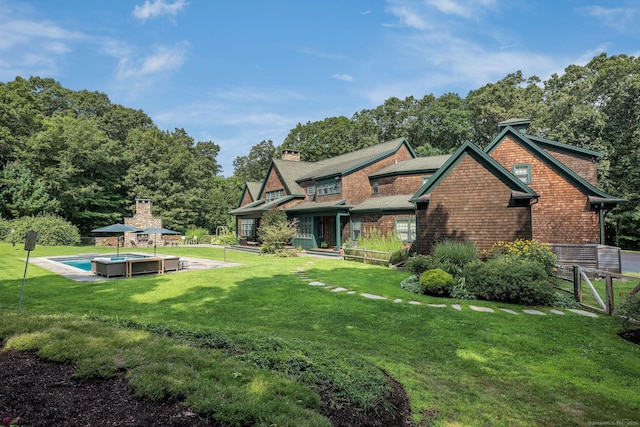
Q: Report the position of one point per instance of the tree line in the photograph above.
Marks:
(595, 106)
(80, 156)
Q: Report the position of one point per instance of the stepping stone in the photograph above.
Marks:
(351, 292)
(582, 312)
(437, 305)
(508, 310)
(457, 307)
(536, 312)
(397, 300)
(314, 283)
(415, 302)
(554, 311)
(338, 289)
(371, 296)
(481, 309)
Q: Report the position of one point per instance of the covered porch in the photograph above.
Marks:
(320, 225)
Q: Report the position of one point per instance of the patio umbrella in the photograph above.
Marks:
(158, 230)
(116, 228)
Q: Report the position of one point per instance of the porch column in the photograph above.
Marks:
(338, 233)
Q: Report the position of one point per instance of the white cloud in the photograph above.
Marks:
(408, 17)
(618, 18)
(158, 8)
(343, 77)
(162, 60)
(465, 8)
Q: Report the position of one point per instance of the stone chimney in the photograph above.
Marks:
(291, 155)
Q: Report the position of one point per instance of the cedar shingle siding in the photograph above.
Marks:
(471, 203)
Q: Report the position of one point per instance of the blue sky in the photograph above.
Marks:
(242, 71)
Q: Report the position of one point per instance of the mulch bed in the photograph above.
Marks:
(44, 393)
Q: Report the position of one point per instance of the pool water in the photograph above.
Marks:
(84, 263)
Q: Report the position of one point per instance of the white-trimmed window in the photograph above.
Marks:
(523, 172)
(405, 229)
(311, 190)
(273, 195)
(375, 186)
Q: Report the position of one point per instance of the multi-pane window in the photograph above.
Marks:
(305, 227)
(311, 190)
(375, 186)
(356, 230)
(329, 186)
(406, 229)
(248, 227)
(523, 173)
(273, 195)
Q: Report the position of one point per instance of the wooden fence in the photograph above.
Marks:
(367, 255)
(591, 256)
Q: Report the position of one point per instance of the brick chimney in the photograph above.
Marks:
(291, 155)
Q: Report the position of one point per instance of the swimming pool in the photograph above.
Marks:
(83, 262)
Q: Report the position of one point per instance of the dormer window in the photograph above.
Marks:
(523, 173)
(273, 195)
(375, 186)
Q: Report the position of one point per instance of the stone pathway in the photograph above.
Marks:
(302, 275)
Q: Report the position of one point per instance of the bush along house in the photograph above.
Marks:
(520, 186)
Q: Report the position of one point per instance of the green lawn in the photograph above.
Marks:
(461, 368)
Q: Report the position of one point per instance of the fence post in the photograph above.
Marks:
(364, 255)
(609, 287)
(577, 284)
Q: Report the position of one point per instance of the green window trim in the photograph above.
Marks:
(405, 229)
(375, 186)
(356, 230)
(522, 172)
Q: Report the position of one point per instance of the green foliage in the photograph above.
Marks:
(201, 235)
(527, 249)
(412, 284)
(417, 264)
(460, 290)
(398, 256)
(275, 231)
(52, 230)
(226, 240)
(436, 282)
(629, 313)
(453, 255)
(254, 166)
(376, 240)
(509, 279)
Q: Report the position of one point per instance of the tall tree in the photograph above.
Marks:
(254, 166)
(323, 139)
(23, 194)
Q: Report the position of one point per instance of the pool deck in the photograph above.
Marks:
(80, 275)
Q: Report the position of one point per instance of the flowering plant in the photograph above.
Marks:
(10, 420)
(523, 248)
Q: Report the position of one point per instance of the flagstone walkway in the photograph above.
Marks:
(302, 276)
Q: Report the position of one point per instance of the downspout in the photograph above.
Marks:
(531, 216)
(602, 223)
(415, 211)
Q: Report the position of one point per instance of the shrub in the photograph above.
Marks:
(629, 314)
(509, 279)
(372, 238)
(528, 249)
(52, 230)
(398, 256)
(200, 234)
(436, 282)
(412, 284)
(226, 240)
(418, 264)
(453, 255)
(460, 290)
(275, 231)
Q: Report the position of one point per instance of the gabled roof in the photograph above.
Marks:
(289, 171)
(261, 205)
(345, 164)
(518, 188)
(573, 178)
(320, 206)
(399, 202)
(570, 149)
(254, 189)
(413, 166)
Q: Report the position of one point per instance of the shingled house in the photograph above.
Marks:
(521, 186)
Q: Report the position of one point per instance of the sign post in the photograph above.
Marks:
(29, 245)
